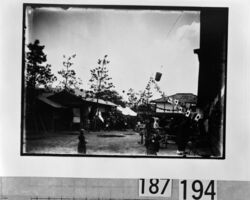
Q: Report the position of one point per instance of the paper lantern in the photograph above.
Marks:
(158, 76)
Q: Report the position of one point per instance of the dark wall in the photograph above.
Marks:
(212, 53)
(212, 73)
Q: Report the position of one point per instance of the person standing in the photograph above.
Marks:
(140, 130)
(183, 133)
(152, 140)
(82, 142)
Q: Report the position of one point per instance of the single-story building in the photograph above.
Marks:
(63, 111)
(163, 105)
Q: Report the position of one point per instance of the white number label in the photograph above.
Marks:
(155, 187)
(197, 189)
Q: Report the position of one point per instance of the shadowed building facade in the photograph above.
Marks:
(212, 57)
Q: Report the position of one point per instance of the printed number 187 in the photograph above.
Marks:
(155, 187)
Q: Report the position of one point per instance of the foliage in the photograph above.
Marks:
(37, 74)
(147, 93)
(100, 80)
(133, 98)
(70, 81)
(141, 100)
(108, 95)
(145, 108)
(113, 96)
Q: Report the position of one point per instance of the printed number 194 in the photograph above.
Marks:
(197, 190)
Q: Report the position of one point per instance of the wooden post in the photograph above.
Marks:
(81, 117)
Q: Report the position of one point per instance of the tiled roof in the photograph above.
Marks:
(161, 100)
(57, 99)
(185, 97)
(182, 97)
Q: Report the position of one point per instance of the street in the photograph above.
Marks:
(98, 143)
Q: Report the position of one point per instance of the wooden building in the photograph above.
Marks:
(62, 111)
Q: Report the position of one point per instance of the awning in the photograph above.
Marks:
(126, 111)
(100, 101)
(50, 102)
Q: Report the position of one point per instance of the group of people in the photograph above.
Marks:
(109, 121)
(183, 128)
(149, 129)
(152, 135)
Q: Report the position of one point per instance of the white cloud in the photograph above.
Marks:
(180, 64)
(188, 33)
(137, 46)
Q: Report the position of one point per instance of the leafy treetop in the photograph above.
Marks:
(100, 80)
(37, 74)
(70, 81)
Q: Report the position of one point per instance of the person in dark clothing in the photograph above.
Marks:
(152, 139)
(183, 133)
(153, 144)
(82, 142)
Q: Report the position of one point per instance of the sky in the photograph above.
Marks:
(138, 43)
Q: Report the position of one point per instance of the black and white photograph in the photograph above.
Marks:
(124, 81)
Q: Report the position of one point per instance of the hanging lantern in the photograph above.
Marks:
(158, 76)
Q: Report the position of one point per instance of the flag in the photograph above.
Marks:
(176, 101)
(100, 116)
(170, 100)
(197, 117)
(188, 113)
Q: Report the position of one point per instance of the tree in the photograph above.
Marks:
(100, 83)
(112, 96)
(108, 95)
(147, 93)
(140, 101)
(37, 74)
(100, 80)
(70, 81)
(133, 98)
